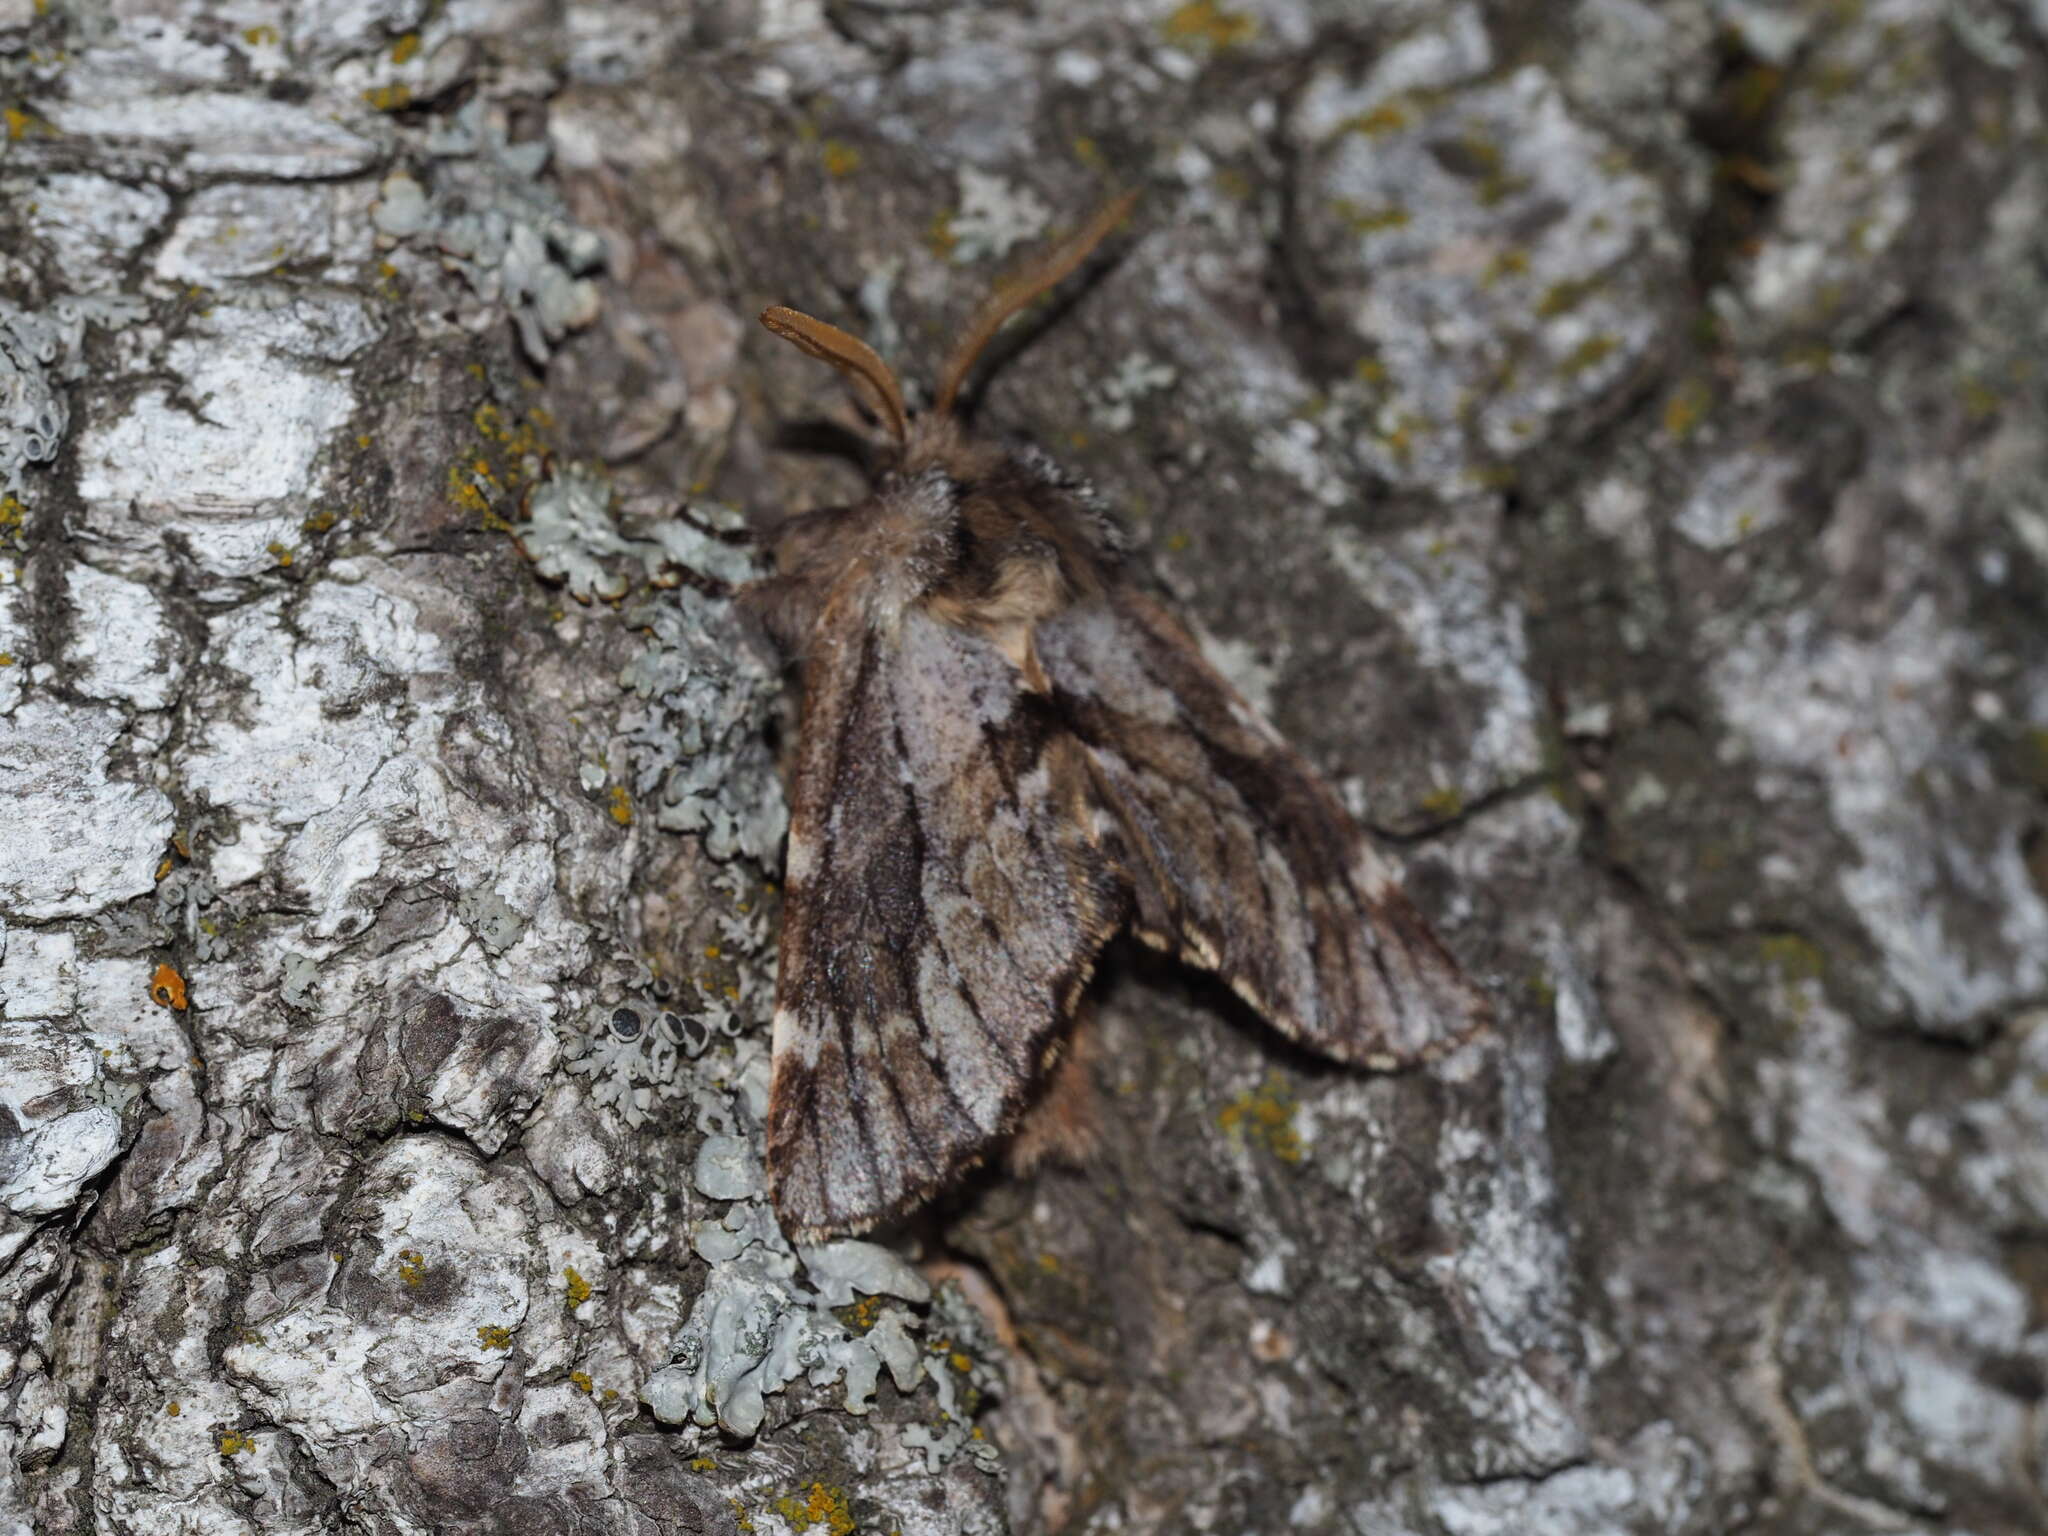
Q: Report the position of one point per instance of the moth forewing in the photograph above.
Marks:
(1008, 750)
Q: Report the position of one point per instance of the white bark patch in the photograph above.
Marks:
(244, 231)
(214, 134)
(83, 838)
(128, 653)
(59, 1136)
(215, 477)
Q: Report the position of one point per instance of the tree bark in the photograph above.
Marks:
(1606, 437)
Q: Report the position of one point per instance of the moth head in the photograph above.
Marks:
(876, 385)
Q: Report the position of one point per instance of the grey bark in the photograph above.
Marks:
(1608, 438)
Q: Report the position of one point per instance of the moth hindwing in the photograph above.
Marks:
(1008, 750)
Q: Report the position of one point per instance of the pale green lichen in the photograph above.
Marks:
(495, 922)
(492, 219)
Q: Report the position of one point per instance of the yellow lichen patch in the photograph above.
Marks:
(960, 1362)
(1793, 958)
(233, 1443)
(2034, 756)
(389, 98)
(320, 522)
(1400, 438)
(280, 553)
(412, 1267)
(1388, 117)
(1563, 297)
(1980, 399)
(495, 466)
(406, 49)
(172, 1408)
(578, 1287)
(494, 1336)
(580, 1380)
(860, 1315)
(1589, 353)
(1370, 221)
(21, 123)
(259, 36)
(13, 517)
(821, 1507)
(703, 1464)
(1265, 1117)
(622, 806)
(841, 159)
(1687, 406)
(1206, 23)
(1444, 802)
(167, 988)
(1512, 262)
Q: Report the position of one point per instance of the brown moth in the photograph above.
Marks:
(1008, 751)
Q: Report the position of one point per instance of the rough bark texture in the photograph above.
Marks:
(1608, 436)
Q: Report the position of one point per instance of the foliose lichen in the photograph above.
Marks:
(40, 351)
(771, 1312)
(499, 226)
(697, 752)
(633, 1052)
(993, 217)
(495, 922)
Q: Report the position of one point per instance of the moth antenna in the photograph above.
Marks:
(1012, 294)
(872, 380)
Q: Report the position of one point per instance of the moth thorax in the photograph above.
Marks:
(910, 535)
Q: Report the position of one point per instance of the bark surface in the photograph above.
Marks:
(1607, 437)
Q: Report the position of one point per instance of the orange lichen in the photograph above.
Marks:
(1265, 1115)
(167, 988)
(822, 1506)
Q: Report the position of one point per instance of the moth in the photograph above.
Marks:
(1008, 750)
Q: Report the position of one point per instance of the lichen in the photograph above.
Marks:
(993, 217)
(495, 922)
(167, 988)
(820, 1508)
(1264, 1116)
(495, 223)
(575, 1287)
(300, 983)
(184, 898)
(696, 735)
(770, 1313)
(633, 1051)
(40, 352)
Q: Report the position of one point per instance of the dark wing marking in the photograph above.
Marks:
(944, 907)
(1238, 857)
